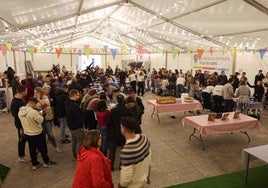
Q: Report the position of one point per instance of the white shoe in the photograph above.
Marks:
(36, 166)
(24, 160)
(57, 149)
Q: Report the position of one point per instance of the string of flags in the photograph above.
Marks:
(140, 50)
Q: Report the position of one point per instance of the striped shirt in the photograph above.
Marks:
(135, 150)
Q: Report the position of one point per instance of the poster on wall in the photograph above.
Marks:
(215, 62)
(132, 64)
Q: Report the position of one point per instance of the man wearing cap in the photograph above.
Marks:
(135, 156)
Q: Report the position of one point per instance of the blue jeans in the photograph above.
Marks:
(63, 124)
(104, 143)
(47, 128)
(179, 90)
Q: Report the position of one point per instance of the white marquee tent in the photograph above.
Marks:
(167, 33)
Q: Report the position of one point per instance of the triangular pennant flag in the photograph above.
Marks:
(222, 50)
(185, 49)
(179, 52)
(140, 51)
(16, 48)
(86, 46)
(9, 46)
(233, 53)
(79, 52)
(211, 50)
(113, 52)
(123, 49)
(3, 49)
(30, 50)
(262, 52)
(35, 49)
(58, 52)
(87, 51)
(174, 53)
(200, 53)
(105, 47)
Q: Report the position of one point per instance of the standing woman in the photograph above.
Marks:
(93, 168)
(141, 82)
(133, 80)
(44, 104)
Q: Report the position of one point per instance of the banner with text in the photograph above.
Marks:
(215, 62)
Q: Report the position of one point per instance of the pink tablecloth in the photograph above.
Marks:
(204, 126)
(182, 106)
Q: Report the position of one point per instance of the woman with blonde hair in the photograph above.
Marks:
(93, 168)
(41, 94)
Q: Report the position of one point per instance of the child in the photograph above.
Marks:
(102, 116)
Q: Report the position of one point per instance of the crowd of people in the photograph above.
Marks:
(100, 120)
(103, 111)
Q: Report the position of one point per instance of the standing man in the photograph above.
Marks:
(259, 77)
(16, 103)
(135, 156)
(75, 120)
(228, 95)
(31, 121)
(60, 99)
(114, 135)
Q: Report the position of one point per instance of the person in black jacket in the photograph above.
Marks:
(16, 103)
(61, 97)
(14, 84)
(114, 135)
(258, 91)
(75, 120)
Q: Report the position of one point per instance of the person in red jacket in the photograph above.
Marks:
(93, 168)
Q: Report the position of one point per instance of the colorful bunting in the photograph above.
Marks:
(179, 52)
(211, 50)
(105, 47)
(262, 52)
(30, 50)
(140, 51)
(86, 50)
(113, 52)
(3, 50)
(9, 46)
(124, 49)
(222, 50)
(174, 53)
(185, 49)
(58, 52)
(200, 53)
(233, 53)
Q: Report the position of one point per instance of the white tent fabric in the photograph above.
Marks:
(151, 23)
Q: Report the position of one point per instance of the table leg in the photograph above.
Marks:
(200, 138)
(192, 134)
(247, 167)
(245, 132)
(153, 113)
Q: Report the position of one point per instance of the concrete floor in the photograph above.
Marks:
(175, 159)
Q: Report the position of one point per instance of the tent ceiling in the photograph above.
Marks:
(151, 23)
